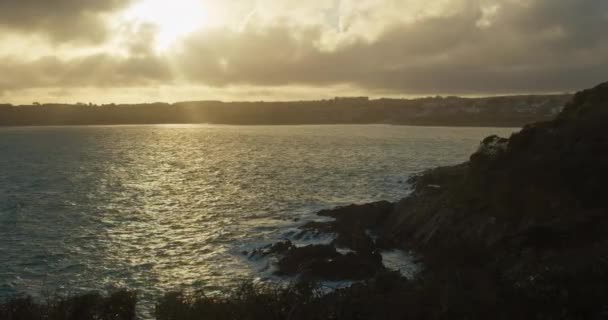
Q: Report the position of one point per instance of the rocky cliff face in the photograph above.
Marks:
(549, 176)
(525, 221)
(518, 231)
(541, 190)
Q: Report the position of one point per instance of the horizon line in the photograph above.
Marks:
(369, 99)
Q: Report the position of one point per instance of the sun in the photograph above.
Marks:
(173, 18)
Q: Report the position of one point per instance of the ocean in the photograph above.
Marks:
(157, 208)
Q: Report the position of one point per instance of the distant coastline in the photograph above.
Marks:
(505, 111)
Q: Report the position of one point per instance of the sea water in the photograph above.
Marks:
(169, 207)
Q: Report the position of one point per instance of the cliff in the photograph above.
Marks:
(518, 231)
(548, 179)
(525, 221)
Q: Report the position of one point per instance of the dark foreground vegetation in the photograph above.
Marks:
(518, 232)
(116, 306)
(514, 111)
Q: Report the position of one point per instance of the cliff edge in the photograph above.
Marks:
(543, 184)
(519, 231)
(524, 223)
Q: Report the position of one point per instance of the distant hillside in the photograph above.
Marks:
(508, 111)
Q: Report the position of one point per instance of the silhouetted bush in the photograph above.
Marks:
(119, 305)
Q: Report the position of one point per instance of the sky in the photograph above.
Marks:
(131, 51)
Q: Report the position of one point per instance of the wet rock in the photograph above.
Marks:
(323, 262)
(352, 223)
(315, 229)
(278, 248)
(356, 239)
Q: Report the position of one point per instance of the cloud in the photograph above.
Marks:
(139, 66)
(372, 46)
(60, 20)
(543, 45)
(99, 70)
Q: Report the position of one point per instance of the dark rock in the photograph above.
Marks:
(301, 258)
(315, 229)
(353, 223)
(323, 262)
(278, 248)
(366, 215)
(356, 239)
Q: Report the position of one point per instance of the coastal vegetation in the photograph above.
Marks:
(119, 305)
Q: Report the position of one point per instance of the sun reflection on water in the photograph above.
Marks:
(157, 208)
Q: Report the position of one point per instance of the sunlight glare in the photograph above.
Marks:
(174, 19)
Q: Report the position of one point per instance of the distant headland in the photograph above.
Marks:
(502, 111)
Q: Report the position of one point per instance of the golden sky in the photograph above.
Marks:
(173, 50)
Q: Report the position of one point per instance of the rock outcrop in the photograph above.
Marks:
(351, 226)
(525, 221)
(549, 178)
(520, 230)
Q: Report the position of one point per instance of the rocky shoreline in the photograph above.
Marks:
(521, 227)
(353, 254)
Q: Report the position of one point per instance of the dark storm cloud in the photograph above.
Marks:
(60, 20)
(543, 45)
